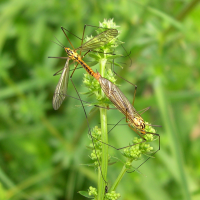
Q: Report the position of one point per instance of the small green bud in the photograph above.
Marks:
(95, 154)
(112, 196)
(92, 191)
(128, 165)
(149, 137)
(108, 24)
(110, 76)
(132, 152)
(149, 129)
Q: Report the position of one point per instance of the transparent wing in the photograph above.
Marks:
(61, 88)
(99, 40)
(122, 103)
(118, 98)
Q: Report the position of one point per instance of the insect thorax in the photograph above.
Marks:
(138, 122)
(73, 55)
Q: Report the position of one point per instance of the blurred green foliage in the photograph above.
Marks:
(41, 150)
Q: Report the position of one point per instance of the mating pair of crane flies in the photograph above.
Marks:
(133, 118)
(96, 42)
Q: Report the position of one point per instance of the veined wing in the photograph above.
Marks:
(99, 40)
(61, 88)
(118, 98)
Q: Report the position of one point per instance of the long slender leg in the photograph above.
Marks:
(127, 82)
(71, 33)
(63, 29)
(57, 73)
(115, 125)
(82, 37)
(89, 131)
(74, 70)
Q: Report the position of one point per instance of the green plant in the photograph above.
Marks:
(99, 138)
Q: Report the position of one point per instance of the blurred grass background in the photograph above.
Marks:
(41, 149)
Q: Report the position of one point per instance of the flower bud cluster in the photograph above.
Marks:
(139, 146)
(96, 145)
(112, 196)
(96, 137)
(92, 191)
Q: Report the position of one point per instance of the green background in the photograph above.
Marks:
(41, 150)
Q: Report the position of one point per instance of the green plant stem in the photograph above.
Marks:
(119, 178)
(102, 177)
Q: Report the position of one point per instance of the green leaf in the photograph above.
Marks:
(118, 65)
(94, 109)
(85, 194)
(92, 55)
(115, 56)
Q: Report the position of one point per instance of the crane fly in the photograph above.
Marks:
(96, 42)
(61, 89)
(133, 118)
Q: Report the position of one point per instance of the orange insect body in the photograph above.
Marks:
(74, 56)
